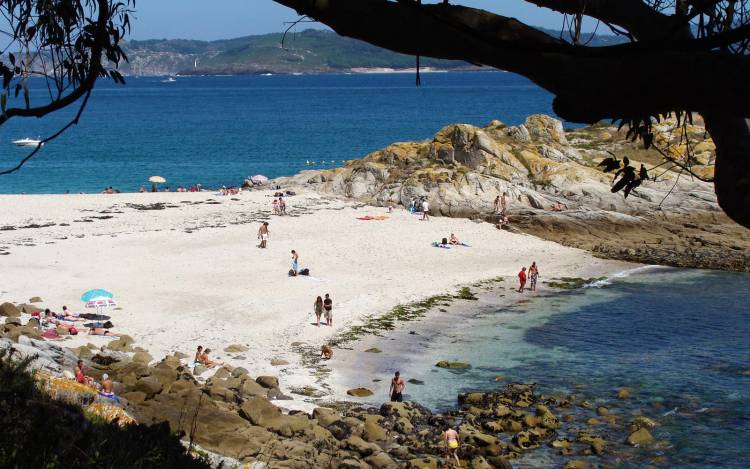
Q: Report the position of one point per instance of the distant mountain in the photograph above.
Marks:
(310, 51)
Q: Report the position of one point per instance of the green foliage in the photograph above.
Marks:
(39, 432)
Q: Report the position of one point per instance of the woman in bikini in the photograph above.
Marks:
(451, 445)
(207, 362)
(102, 331)
(318, 308)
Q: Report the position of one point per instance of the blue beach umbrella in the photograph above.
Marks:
(95, 295)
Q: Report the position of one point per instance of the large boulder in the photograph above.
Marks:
(640, 437)
(148, 385)
(269, 382)
(123, 344)
(10, 310)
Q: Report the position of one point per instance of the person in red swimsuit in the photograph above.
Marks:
(522, 279)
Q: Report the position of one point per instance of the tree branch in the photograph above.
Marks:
(591, 83)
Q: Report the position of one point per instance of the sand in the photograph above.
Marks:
(191, 273)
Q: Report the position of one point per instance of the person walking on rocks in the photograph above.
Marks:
(522, 279)
(328, 307)
(451, 445)
(533, 276)
(263, 235)
(397, 388)
(318, 310)
(425, 210)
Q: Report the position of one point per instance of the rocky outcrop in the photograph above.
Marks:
(463, 169)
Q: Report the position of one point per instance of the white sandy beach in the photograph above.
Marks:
(191, 273)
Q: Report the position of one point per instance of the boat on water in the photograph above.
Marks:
(169, 80)
(28, 142)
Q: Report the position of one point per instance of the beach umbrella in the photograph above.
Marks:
(157, 180)
(259, 179)
(98, 299)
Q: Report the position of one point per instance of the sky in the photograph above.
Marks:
(224, 19)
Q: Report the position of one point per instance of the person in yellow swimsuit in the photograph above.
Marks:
(451, 444)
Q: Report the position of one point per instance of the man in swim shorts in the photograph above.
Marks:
(328, 307)
(263, 234)
(451, 444)
(397, 388)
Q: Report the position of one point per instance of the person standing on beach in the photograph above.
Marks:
(533, 276)
(263, 235)
(275, 205)
(425, 210)
(397, 388)
(328, 306)
(504, 204)
(496, 205)
(295, 262)
(282, 206)
(522, 279)
(318, 310)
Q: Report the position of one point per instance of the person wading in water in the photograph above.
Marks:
(397, 387)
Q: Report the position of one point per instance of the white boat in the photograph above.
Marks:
(169, 80)
(28, 142)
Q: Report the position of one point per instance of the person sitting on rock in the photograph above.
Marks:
(108, 388)
(326, 352)
(81, 376)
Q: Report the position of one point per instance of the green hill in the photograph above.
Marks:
(310, 51)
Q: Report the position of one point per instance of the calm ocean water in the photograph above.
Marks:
(217, 130)
(677, 338)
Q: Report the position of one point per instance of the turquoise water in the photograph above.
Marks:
(218, 130)
(678, 339)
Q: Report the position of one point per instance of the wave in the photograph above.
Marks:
(622, 274)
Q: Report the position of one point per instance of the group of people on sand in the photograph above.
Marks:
(323, 307)
(50, 323)
(500, 210)
(193, 188)
(227, 190)
(532, 276)
(279, 206)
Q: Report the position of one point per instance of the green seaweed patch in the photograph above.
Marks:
(572, 283)
(402, 313)
(373, 350)
(465, 293)
(418, 382)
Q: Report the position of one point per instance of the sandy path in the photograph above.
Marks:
(190, 274)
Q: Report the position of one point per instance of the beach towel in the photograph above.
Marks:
(377, 218)
(51, 334)
(435, 244)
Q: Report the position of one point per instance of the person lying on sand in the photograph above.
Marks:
(326, 352)
(102, 331)
(454, 240)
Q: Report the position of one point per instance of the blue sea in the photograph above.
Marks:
(678, 339)
(218, 130)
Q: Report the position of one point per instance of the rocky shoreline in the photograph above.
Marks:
(236, 416)
(672, 219)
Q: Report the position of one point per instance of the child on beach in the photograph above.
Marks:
(326, 352)
(522, 279)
